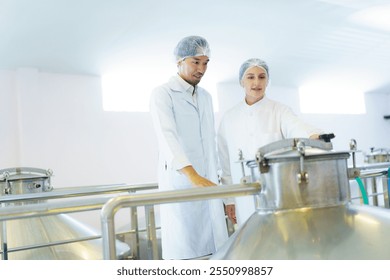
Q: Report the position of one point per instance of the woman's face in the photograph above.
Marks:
(254, 82)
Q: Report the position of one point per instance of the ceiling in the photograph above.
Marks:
(301, 40)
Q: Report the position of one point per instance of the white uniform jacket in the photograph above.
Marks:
(186, 136)
(248, 128)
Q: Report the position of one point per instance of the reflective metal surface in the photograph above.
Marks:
(333, 233)
(46, 237)
(293, 178)
(305, 212)
(60, 229)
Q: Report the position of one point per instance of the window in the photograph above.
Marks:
(129, 91)
(322, 99)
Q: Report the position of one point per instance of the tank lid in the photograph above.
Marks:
(24, 173)
(297, 147)
(378, 151)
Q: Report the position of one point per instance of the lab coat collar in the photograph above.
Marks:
(176, 83)
(259, 104)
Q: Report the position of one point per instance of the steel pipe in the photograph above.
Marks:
(113, 205)
(19, 207)
(373, 174)
(374, 166)
(78, 191)
(51, 208)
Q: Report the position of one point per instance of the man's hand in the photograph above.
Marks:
(195, 179)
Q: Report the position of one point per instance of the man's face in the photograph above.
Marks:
(193, 68)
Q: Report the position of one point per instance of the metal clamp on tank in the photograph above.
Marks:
(244, 179)
(287, 144)
(7, 188)
(302, 176)
(353, 172)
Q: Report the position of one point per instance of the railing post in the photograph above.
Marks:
(152, 248)
(4, 246)
(114, 204)
(386, 186)
(108, 238)
(134, 244)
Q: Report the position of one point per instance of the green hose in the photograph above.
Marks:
(363, 190)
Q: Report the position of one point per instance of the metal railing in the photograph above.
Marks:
(110, 205)
(376, 183)
(115, 204)
(78, 191)
(68, 205)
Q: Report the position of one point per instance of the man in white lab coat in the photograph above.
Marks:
(254, 122)
(182, 114)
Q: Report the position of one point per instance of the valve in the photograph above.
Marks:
(326, 137)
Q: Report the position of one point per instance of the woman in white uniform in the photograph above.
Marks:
(254, 122)
(183, 118)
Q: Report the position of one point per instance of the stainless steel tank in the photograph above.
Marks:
(377, 155)
(34, 234)
(305, 212)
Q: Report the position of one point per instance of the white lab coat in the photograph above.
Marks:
(248, 128)
(186, 136)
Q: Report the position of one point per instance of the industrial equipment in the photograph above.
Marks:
(305, 210)
(48, 237)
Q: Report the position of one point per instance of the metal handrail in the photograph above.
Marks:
(375, 173)
(13, 212)
(78, 191)
(374, 166)
(115, 204)
(51, 208)
(68, 241)
(52, 243)
(371, 172)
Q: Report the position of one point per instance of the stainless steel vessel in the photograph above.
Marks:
(26, 239)
(377, 155)
(304, 210)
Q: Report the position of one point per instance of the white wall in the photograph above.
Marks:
(9, 129)
(64, 128)
(56, 121)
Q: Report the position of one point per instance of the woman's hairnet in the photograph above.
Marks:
(191, 46)
(250, 63)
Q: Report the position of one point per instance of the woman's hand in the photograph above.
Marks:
(230, 210)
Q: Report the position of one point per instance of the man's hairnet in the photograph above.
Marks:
(191, 46)
(250, 63)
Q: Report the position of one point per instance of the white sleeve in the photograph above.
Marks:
(292, 126)
(161, 109)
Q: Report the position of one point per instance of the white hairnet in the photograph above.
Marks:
(191, 46)
(250, 63)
